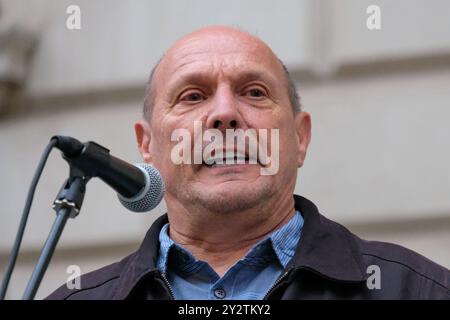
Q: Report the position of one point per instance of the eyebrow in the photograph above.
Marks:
(253, 75)
(203, 77)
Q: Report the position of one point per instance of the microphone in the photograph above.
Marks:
(139, 187)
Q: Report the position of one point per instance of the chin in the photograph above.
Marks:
(231, 197)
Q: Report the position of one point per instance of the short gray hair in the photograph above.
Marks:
(149, 94)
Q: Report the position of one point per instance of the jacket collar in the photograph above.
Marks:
(325, 248)
(142, 262)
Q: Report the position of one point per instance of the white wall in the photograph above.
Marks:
(380, 148)
(409, 28)
(121, 40)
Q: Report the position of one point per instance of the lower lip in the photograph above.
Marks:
(230, 167)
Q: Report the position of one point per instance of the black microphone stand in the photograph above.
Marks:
(67, 205)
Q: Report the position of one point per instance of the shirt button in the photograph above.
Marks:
(220, 293)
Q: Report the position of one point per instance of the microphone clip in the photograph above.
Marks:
(71, 195)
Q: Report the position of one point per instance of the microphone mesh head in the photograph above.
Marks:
(152, 193)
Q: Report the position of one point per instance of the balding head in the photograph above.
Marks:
(231, 38)
(221, 83)
(228, 82)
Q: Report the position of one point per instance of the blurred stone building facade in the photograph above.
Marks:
(379, 100)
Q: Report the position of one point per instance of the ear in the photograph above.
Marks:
(143, 138)
(303, 131)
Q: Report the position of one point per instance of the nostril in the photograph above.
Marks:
(233, 123)
(217, 124)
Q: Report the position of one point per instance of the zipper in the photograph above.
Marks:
(277, 282)
(163, 276)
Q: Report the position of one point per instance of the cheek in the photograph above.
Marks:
(288, 144)
(273, 117)
(162, 145)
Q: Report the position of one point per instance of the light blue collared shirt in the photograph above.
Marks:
(249, 279)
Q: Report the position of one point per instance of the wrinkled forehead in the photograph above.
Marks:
(219, 53)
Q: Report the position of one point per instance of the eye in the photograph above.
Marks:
(256, 93)
(192, 96)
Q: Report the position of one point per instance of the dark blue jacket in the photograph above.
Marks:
(330, 263)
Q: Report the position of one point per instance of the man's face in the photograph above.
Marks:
(225, 81)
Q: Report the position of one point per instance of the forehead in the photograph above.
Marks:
(218, 53)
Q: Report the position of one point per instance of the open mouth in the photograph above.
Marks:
(228, 159)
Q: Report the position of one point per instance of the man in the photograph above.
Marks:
(232, 232)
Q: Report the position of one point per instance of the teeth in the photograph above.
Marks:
(228, 158)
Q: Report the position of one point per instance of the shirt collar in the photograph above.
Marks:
(283, 242)
(165, 244)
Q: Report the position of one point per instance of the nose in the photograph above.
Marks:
(224, 112)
